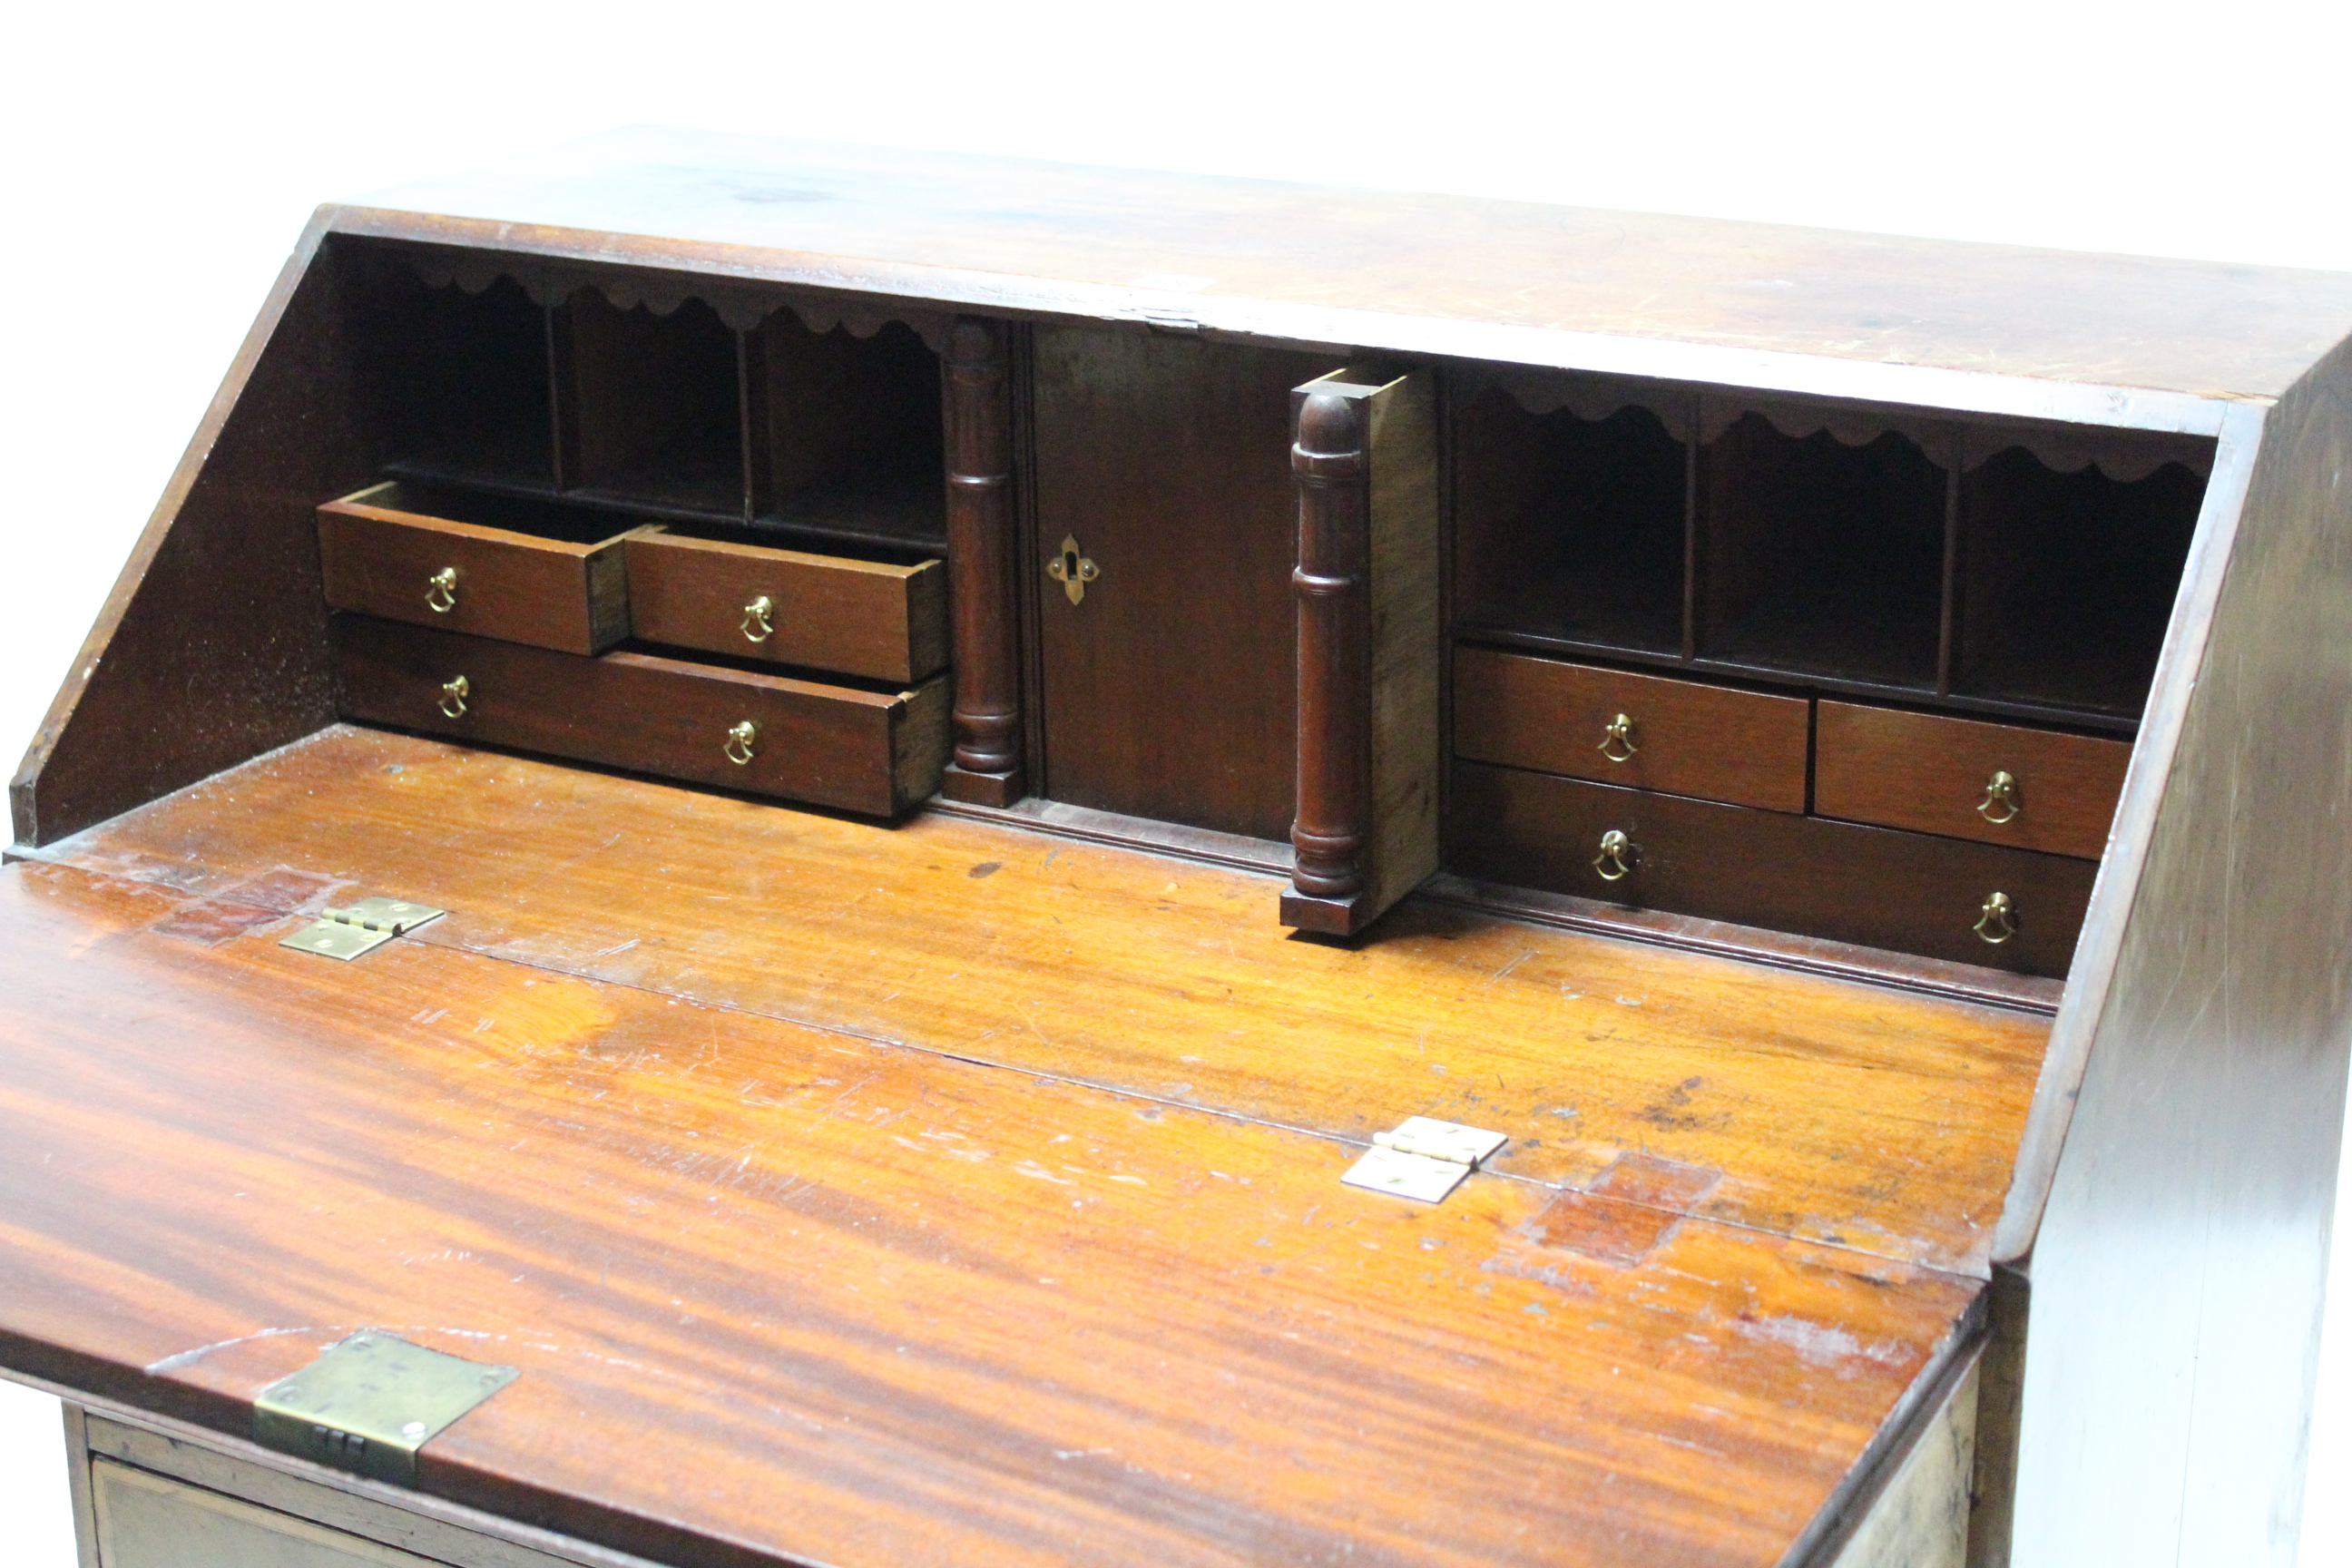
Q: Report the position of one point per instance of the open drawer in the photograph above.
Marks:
(524, 571)
(873, 751)
(868, 618)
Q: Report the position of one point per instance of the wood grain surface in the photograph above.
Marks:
(1325, 263)
(1836, 1111)
(1747, 748)
(785, 1294)
(1929, 773)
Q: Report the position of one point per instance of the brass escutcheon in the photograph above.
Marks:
(739, 741)
(757, 626)
(2000, 796)
(1610, 862)
(441, 591)
(453, 696)
(1617, 740)
(1071, 570)
(1998, 921)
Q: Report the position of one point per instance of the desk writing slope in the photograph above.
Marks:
(984, 725)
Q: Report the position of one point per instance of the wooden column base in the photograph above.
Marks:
(1329, 917)
(981, 789)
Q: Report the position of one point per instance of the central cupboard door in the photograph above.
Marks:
(1170, 687)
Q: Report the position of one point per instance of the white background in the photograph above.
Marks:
(164, 163)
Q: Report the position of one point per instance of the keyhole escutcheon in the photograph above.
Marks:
(1071, 570)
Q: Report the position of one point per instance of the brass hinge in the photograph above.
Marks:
(368, 1402)
(1424, 1158)
(365, 927)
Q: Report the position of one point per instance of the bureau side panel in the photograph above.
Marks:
(212, 649)
(2180, 1260)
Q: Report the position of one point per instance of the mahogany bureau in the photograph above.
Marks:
(949, 741)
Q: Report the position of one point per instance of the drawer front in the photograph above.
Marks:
(1935, 774)
(859, 750)
(461, 577)
(1679, 736)
(1904, 892)
(823, 612)
(154, 1521)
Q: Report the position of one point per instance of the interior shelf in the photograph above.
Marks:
(2068, 581)
(1820, 558)
(656, 402)
(847, 435)
(458, 382)
(1570, 530)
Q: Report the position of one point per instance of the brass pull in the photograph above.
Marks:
(1071, 570)
(757, 627)
(739, 741)
(453, 697)
(2001, 794)
(1620, 733)
(441, 591)
(1610, 862)
(1998, 923)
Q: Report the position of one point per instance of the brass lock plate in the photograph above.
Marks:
(368, 1402)
(362, 929)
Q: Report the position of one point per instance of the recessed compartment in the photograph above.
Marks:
(719, 591)
(657, 403)
(1822, 551)
(457, 381)
(1570, 529)
(846, 441)
(495, 565)
(876, 752)
(2068, 578)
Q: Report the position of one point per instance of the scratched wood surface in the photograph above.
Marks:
(1833, 1112)
(784, 1293)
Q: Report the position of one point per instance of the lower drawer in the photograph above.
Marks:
(876, 752)
(1908, 892)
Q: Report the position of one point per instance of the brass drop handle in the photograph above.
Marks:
(1071, 570)
(2000, 802)
(758, 626)
(1998, 921)
(1617, 740)
(740, 741)
(453, 696)
(441, 591)
(1612, 862)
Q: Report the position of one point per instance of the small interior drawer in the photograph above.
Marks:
(785, 607)
(876, 752)
(1907, 892)
(527, 571)
(1711, 742)
(1935, 775)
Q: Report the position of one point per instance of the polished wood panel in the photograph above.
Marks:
(1901, 890)
(844, 1302)
(212, 645)
(1160, 977)
(1413, 271)
(832, 612)
(1932, 774)
(380, 556)
(982, 548)
(1170, 691)
(877, 752)
(1747, 748)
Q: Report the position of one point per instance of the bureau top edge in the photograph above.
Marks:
(2001, 329)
